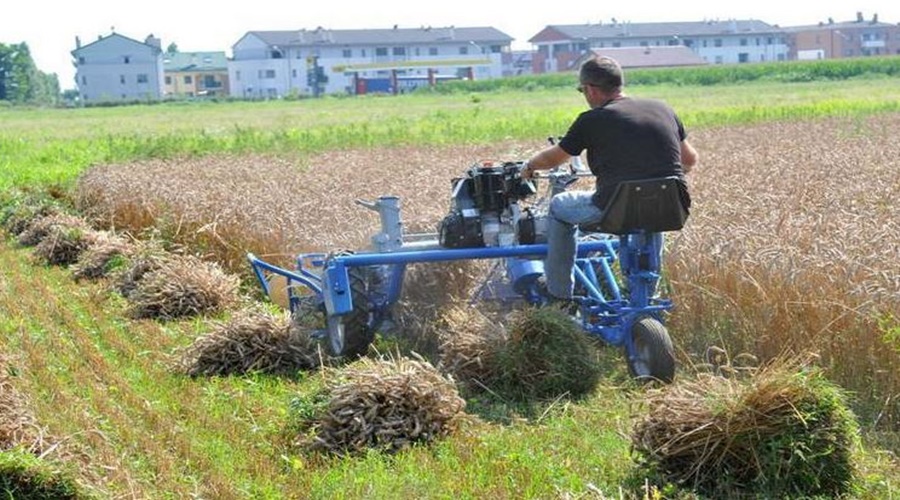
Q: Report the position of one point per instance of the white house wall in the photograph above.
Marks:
(104, 74)
(251, 56)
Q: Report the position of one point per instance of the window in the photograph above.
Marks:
(168, 80)
(399, 51)
(127, 59)
(743, 57)
(122, 79)
(743, 42)
(617, 44)
(705, 44)
(237, 75)
(362, 52)
(266, 74)
(142, 78)
(277, 54)
(417, 52)
(464, 50)
(381, 51)
(84, 80)
(496, 49)
(717, 42)
(294, 73)
(188, 79)
(209, 81)
(718, 59)
(432, 51)
(81, 60)
(348, 53)
(644, 43)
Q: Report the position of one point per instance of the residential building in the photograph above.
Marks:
(196, 74)
(716, 42)
(269, 64)
(118, 68)
(647, 57)
(835, 40)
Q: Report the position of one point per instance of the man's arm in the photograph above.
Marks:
(689, 156)
(548, 158)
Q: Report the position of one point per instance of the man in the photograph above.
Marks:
(626, 139)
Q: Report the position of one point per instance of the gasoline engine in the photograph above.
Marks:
(485, 210)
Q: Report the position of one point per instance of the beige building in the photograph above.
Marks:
(836, 40)
(195, 74)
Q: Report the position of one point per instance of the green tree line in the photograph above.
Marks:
(20, 80)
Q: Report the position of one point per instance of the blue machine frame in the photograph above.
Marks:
(605, 309)
(624, 312)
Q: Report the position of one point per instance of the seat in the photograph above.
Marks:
(651, 205)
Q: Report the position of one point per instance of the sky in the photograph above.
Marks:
(50, 27)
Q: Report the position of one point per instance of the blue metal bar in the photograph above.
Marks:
(258, 264)
(405, 257)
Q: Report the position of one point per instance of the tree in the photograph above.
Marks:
(21, 81)
(172, 48)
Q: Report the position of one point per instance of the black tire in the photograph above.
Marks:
(349, 335)
(652, 356)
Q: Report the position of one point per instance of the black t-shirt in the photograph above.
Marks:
(627, 139)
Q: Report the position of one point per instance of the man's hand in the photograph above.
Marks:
(527, 171)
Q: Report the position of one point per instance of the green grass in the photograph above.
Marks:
(51, 146)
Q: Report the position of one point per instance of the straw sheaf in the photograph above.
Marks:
(469, 343)
(23, 216)
(387, 405)
(98, 259)
(546, 355)
(252, 341)
(183, 286)
(63, 246)
(147, 256)
(784, 430)
(41, 227)
(17, 425)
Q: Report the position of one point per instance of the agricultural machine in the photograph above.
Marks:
(616, 273)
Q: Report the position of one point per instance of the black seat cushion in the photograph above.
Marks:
(651, 205)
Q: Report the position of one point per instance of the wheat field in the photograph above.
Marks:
(793, 242)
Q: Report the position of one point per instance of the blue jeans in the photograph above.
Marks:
(567, 211)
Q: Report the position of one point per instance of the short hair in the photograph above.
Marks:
(603, 72)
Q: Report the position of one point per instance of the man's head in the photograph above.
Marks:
(603, 73)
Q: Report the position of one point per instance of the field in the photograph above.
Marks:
(793, 244)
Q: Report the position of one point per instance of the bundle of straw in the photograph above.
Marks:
(387, 405)
(252, 341)
(105, 253)
(40, 227)
(784, 432)
(183, 286)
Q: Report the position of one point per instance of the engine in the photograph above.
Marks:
(485, 209)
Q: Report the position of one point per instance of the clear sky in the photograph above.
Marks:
(50, 27)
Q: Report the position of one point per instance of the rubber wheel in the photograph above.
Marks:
(653, 357)
(349, 335)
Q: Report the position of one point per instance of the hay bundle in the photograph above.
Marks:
(17, 425)
(25, 476)
(40, 227)
(106, 252)
(784, 432)
(252, 341)
(470, 342)
(429, 289)
(387, 405)
(183, 286)
(16, 219)
(547, 355)
(63, 246)
(145, 258)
